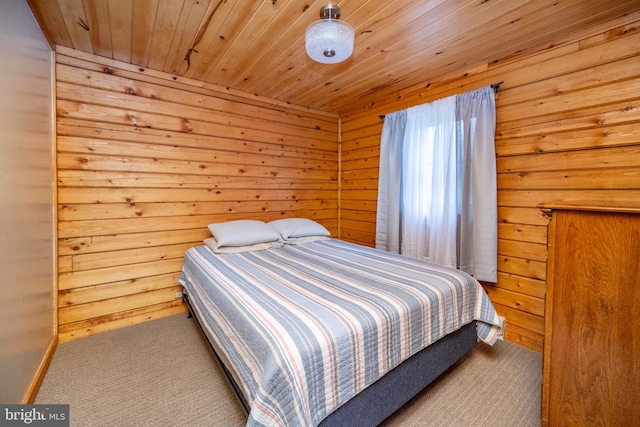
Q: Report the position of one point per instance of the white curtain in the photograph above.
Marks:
(437, 186)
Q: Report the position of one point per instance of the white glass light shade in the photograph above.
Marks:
(329, 41)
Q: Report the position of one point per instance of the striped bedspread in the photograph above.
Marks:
(306, 327)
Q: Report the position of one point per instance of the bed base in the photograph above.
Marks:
(384, 397)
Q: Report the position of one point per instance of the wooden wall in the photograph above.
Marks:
(146, 160)
(568, 128)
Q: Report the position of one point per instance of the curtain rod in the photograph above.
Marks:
(495, 87)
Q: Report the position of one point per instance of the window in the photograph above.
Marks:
(437, 186)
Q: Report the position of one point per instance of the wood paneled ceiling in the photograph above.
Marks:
(257, 46)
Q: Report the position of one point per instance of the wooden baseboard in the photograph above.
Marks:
(42, 371)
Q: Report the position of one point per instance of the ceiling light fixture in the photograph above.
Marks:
(329, 40)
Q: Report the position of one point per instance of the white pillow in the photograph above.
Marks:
(243, 232)
(298, 227)
(212, 244)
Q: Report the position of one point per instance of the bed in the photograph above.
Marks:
(312, 330)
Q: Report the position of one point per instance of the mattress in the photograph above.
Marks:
(304, 328)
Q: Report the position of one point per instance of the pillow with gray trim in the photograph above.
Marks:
(243, 232)
(298, 227)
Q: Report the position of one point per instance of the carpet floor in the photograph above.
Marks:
(162, 373)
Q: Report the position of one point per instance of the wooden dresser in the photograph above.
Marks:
(591, 360)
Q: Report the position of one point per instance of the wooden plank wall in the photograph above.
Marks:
(568, 128)
(146, 160)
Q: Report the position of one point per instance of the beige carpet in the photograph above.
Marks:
(161, 373)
